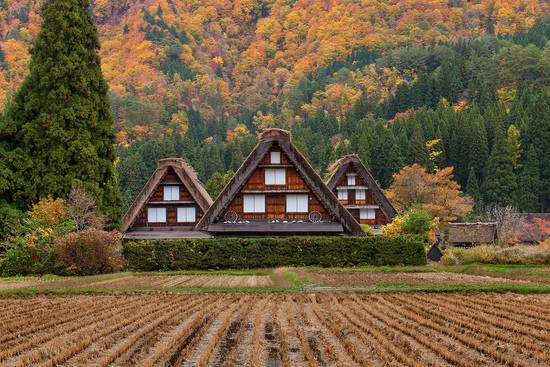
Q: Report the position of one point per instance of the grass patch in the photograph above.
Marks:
(532, 288)
(540, 273)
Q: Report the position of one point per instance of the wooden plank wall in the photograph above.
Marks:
(275, 202)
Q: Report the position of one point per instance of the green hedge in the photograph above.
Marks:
(239, 253)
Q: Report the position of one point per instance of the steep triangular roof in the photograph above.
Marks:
(185, 173)
(280, 137)
(339, 168)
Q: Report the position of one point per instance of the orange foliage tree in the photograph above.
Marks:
(438, 193)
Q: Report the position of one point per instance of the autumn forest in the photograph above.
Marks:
(440, 83)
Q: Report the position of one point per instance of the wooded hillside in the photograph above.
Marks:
(197, 78)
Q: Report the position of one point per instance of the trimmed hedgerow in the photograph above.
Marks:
(238, 253)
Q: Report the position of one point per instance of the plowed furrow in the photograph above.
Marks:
(16, 347)
(441, 327)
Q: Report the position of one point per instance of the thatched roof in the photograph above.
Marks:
(283, 139)
(186, 174)
(340, 167)
(472, 233)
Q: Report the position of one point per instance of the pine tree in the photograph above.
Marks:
(419, 151)
(479, 151)
(472, 187)
(61, 130)
(500, 181)
(529, 183)
(538, 135)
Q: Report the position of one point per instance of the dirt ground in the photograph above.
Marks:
(356, 279)
(142, 281)
(328, 329)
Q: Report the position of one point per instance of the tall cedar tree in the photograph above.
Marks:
(529, 183)
(500, 180)
(59, 129)
(472, 187)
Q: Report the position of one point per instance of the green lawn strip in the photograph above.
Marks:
(510, 271)
(382, 288)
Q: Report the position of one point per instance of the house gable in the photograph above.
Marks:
(358, 192)
(172, 200)
(257, 199)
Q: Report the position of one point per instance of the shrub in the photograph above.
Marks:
(416, 221)
(237, 253)
(90, 252)
(367, 229)
(491, 254)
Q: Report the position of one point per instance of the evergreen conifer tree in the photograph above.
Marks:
(529, 183)
(472, 187)
(500, 180)
(60, 129)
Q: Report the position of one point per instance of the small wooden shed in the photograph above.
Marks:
(471, 234)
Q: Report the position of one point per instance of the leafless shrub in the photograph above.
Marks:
(81, 207)
(508, 222)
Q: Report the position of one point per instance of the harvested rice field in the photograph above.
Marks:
(358, 279)
(148, 281)
(323, 329)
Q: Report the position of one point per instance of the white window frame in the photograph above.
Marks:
(275, 157)
(253, 203)
(368, 213)
(297, 203)
(156, 215)
(342, 194)
(186, 214)
(275, 176)
(360, 194)
(171, 193)
(351, 180)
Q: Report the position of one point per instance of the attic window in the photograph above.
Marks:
(367, 214)
(171, 193)
(186, 215)
(275, 176)
(342, 194)
(297, 203)
(351, 180)
(360, 194)
(156, 215)
(275, 157)
(254, 203)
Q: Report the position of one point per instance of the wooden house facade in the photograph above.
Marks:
(358, 192)
(277, 192)
(169, 206)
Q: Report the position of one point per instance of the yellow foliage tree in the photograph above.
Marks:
(438, 193)
(48, 212)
